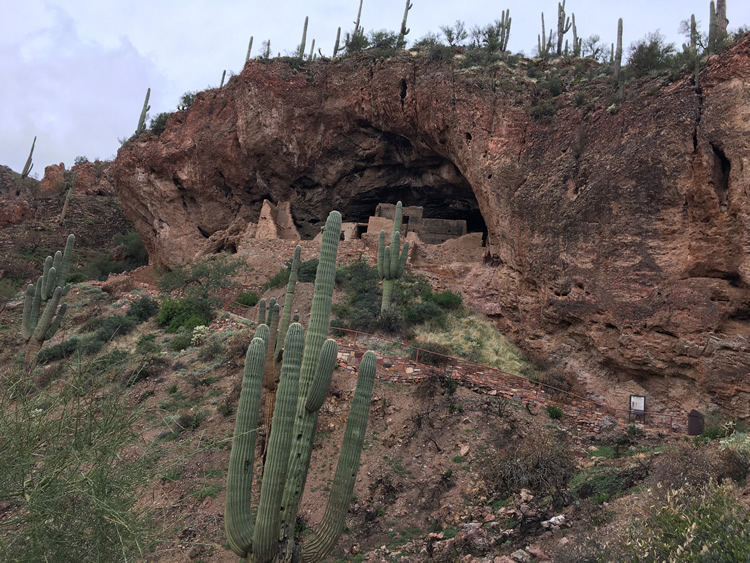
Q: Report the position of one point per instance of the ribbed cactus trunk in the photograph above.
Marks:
(391, 259)
(325, 537)
(274, 353)
(305, 420)
(42, 312)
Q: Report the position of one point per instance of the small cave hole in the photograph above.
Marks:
(489, 176)
(403, 92)
(722, 168)
(203, 232)
(468, 138)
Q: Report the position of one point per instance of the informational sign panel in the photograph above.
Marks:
(637, 403)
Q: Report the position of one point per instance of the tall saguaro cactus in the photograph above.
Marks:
(278, 326)
(142, 120)
(563, 26)
(619, 75)
(29, 165)
(404, 31)
(41, 314)
(544, 44)
(305, 376)
(249, 49)
(503, 28)
(391, 259)
(301, 48)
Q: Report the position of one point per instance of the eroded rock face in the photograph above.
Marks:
(621, 238)
(54, 179)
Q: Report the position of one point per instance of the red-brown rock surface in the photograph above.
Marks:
(621, 236)
(54, 179)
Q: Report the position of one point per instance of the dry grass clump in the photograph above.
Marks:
(475, 339)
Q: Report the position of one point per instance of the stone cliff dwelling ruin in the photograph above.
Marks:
(277, 222)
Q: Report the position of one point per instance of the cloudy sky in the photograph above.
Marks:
(75, 72)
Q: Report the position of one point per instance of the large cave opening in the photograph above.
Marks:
(369, 167)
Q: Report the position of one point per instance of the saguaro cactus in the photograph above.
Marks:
(401, 43)
(563, 26)
(29, 165)
(336, 45)
(278, 326)
(301, 48)
(619, 76)
(41, 314)
(305, 376)
(391, 259)
(577, 41)
(249, 49)
(544, 44)
(503, 28)
(142, 120)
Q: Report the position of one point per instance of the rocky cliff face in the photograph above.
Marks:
(620, 234)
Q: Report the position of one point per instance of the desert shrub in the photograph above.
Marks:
(541, 462)
(143, 308)
(738, 442)
(544, 111)
(279, 279)
(186, 100)
(180, 342)
(183, 313)
(148, 366)
(134, 253)
(424, 311)
(391, 322)
(431, 353)
(72, 495)
(710, 525)
(211, 349)
(691, 465)
(58, 351)
(307, 271)
(363, 320)
(191, 421)
(117, 325)
(159, 123)
(554, 85)
(247, 298)
(201, 280)
(446, 299)
(649, 54)
(555, 413)
(146, 344)
(596, 482)
(337, 324)
(100, 266)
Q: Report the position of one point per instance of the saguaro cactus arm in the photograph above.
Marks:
(391, 259)
(238, 520)
(330, 528)
(29, 165)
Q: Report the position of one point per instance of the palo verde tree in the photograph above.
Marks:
(307, 367)
(391, 259)
(42, 311)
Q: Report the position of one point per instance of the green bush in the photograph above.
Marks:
(159, 123)
(425, 311)
(650, 54)
(363, 320)
(307, 271)
(247, 298)
(279, 279)
(709, 526)
(183, 313)
(143, 308)
(446, 300)
(146, 344)
(58, 351)
(555, 413)
(135, 254)
(71, 495)
(180, 342)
